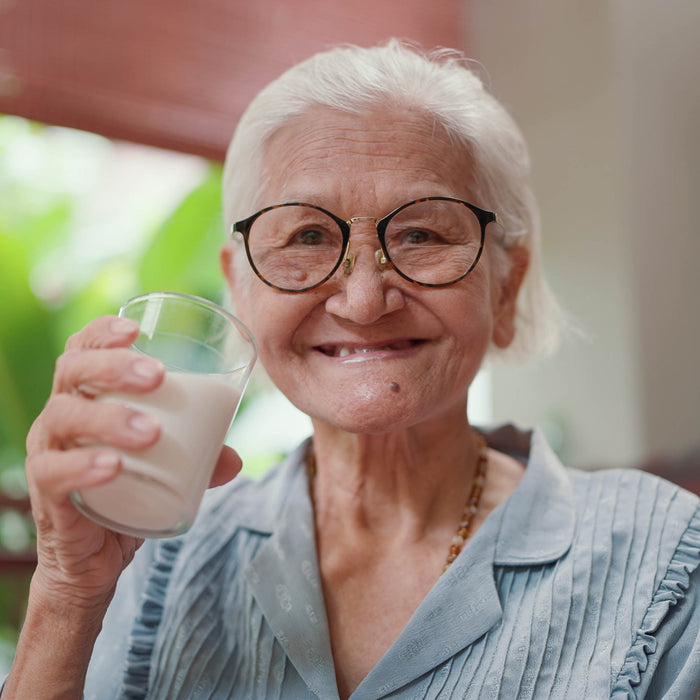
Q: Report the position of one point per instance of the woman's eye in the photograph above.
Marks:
(417, 237)
(308, 237)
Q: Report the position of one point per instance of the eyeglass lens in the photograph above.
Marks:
(431, 242)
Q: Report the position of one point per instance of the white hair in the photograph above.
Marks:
(441, 84)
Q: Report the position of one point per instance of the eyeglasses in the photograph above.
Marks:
(432, 241)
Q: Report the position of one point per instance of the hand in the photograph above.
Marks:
(79, 561)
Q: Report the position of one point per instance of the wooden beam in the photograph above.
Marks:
(177, 73)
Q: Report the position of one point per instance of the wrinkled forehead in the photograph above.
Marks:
(382, 153)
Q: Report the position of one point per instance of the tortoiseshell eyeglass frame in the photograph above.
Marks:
(244, 227)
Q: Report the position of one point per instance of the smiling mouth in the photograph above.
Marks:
(348, 350)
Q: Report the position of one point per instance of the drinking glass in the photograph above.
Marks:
(208, 355)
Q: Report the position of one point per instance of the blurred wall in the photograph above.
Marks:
(607, 93)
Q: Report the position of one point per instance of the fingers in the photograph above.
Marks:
(91, 372)
(75, 444)
(105, 332)
(69, 421)
(227, 467)
(52, 476)
(97, 359)
(55, 467)
(60, 473)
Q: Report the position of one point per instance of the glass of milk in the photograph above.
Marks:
(209, 355)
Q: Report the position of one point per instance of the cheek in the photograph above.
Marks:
(271, 317)
(470, 309)
(469, 324)
(269, 332)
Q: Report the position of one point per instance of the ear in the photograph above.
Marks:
(226, 261)
(506, 296)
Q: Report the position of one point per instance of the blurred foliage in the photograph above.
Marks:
(177, 259)
(44, 300)
(51, 286)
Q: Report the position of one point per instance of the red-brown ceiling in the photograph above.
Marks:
(177, 73)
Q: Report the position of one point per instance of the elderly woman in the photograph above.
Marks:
(385, 243)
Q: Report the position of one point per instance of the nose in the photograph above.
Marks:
(365, 293)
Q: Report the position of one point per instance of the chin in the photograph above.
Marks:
(380, 426)
(371, 405)
(371, 413)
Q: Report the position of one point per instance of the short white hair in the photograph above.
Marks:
(441, 84)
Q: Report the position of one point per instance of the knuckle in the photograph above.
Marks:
(35, 436)
(40, 515)
(38, 473)
(65, 360)
(63, 370)
(42, 521)
(76, 340)
(90, 336)
(86, 372)
(56, 416)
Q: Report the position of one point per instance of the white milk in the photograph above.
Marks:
(160, 488)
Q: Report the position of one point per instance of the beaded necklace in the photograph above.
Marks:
(470, 509)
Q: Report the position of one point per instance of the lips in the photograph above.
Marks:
(346, 350)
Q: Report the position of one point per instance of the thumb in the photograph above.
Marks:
(227, 467)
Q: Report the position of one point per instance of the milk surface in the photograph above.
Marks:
(159, 489)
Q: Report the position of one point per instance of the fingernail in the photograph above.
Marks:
(143, 423)
(123, 326)
(147, 369)
(106, 461)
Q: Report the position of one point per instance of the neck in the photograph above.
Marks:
(410, 482)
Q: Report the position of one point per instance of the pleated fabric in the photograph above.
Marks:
(580, 585)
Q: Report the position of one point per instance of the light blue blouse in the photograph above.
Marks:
(579, 585)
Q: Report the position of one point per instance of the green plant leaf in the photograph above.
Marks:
(110, 286)
(26, 346)
(183, 255)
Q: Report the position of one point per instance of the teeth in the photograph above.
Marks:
(344, 351)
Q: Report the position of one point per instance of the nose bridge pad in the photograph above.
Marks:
(382, 261)
(348, 263)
